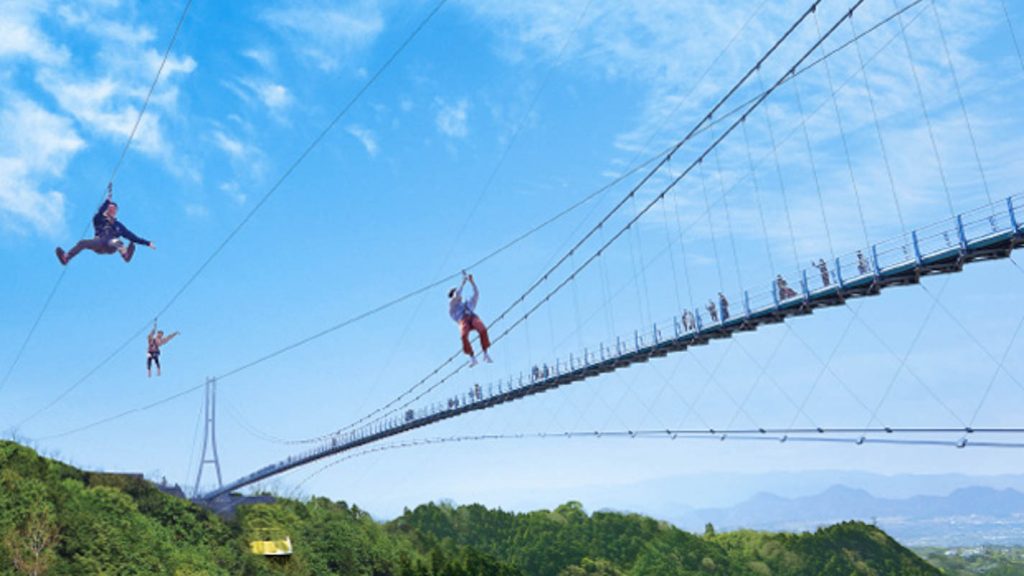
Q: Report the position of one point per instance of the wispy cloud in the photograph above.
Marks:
(265, 58)
(233, 191)
(197, 211)
(365, 137)
(274, 96)
(20, 36)
(452, 119)
(35, 145)
(327, 35)
(245, 157)
(105, 96)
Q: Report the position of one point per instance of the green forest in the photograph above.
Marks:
(57, 520)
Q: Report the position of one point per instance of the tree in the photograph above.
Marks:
(709, 530)
(32, 544)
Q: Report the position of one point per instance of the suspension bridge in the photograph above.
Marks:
(942, 248)
(746, 144)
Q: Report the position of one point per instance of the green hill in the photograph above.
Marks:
(57, 520)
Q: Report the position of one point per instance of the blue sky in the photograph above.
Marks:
(496, 117)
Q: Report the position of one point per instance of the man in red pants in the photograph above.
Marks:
(462, 312)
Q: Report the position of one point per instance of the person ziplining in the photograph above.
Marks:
(463, 313)
(108, 233)
(154, 341)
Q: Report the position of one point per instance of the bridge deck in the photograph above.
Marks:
(986, 233)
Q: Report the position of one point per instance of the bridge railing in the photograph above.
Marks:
(934, 240)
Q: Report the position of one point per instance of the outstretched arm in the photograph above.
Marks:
(153, 331)
(168, 338)
(131, 236)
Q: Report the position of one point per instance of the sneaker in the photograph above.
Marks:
(128, 252)
(61, 256)
(487, 358)
(472, 361)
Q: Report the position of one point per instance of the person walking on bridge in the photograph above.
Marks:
(463, 313)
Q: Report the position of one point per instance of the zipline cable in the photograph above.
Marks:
(715, 121)
(113, 175)
(657, 198)
(600, 224)
(291, 168)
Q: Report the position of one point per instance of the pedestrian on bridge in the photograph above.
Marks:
(823, 269)
(712, 310)
(862, 263)
(785, 292)
(723, 306)
(463, 313)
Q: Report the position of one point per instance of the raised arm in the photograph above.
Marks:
(476, 294)
(168, 338)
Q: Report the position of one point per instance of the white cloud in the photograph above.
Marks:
(451, 118)
(274, 96)
(327, 35)
(34, 145)
(197, 211)
(233, 147)
(20, 35)
(365, 137)
(105, 92)
(245, 157)
(263, 57)
(116, 31)
(233, 191)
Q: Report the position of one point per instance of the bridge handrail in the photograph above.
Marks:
(958, 234)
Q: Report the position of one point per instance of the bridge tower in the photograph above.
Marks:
(210, 435)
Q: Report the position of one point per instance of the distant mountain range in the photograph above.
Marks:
(967, 516)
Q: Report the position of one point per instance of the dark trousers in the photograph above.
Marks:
(101, 246)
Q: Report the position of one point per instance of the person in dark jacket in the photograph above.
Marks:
(108, 234)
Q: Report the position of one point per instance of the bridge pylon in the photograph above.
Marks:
(209, 435)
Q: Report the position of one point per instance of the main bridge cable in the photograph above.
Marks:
(721, 118)
(731, 113)
(600, 224)
(287, 173)
(113, 176)
(386, 305)
(643, 211)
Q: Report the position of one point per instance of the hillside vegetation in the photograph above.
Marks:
(57, 520)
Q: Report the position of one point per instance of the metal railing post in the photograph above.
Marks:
(1013, 217)
(839, 274)
(961, 233)
(917, 247)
